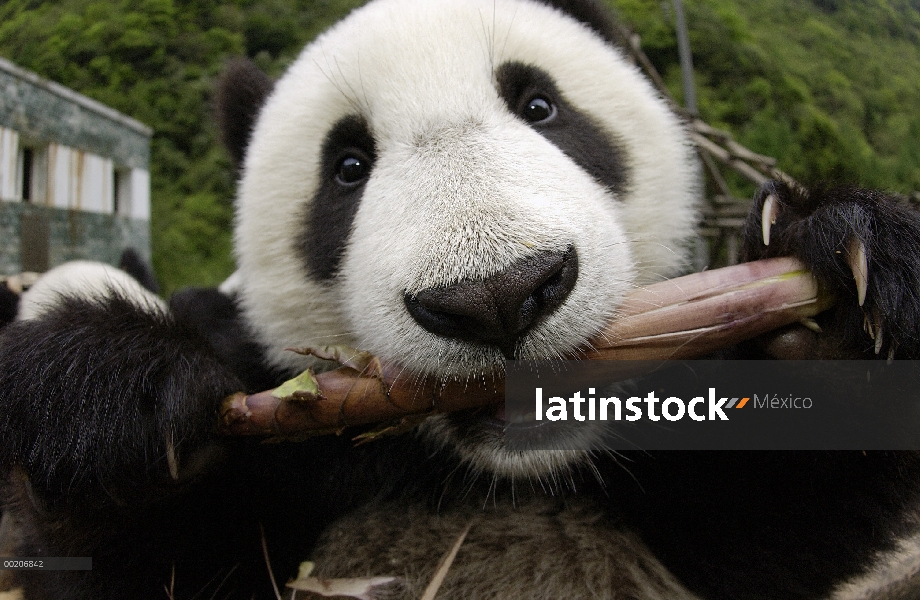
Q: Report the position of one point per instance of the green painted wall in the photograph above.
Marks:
(72, 235)
(44, 111)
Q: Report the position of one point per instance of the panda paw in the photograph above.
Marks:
(103, 400)
(864, 247)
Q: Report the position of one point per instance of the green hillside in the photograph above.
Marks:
(829, 87)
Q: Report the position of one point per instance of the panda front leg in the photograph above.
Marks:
(865, 247)
(107, 410)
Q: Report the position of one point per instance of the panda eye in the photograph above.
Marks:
(539, 110)
(352, 169)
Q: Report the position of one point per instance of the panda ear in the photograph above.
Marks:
(240, 92)
(593, 14)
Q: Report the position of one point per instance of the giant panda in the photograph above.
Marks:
(446, 184)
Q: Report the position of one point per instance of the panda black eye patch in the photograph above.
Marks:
(532, 95)
(346, 161)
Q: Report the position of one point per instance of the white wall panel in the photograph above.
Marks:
(79, 180)
(140, 194)
(9, 153)
(59, 159)
(94, 183)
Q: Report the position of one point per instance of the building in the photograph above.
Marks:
(74, 176)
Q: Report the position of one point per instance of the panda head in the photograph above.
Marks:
(446, 184)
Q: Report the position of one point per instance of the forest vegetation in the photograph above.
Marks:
(831, 88)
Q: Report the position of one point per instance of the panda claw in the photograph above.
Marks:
(171, 459)
(811, 324)
(860, 267)
(768, 217)
(868, 327)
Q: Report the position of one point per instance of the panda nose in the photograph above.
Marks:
(499, 309)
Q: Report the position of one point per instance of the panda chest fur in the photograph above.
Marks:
(545, 548)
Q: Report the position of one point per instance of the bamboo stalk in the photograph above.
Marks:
(681, 318)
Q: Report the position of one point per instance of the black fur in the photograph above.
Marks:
(593, 14)
(216, 318)
(130, 379)
(574, 132)
(768, 525)
(239, 94)
(135, 266)
(9, 304)
(85, 444)
(327, 223)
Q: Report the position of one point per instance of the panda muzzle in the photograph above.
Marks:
(499, 309)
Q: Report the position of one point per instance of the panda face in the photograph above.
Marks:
(446, 184)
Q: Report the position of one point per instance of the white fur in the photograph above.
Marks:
(461, 188)
(84, 279)
(231, 285)
(893, 575)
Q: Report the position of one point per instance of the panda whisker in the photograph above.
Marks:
(445, 482)
(489, 38)
(351, 99)
(491, 492)
(619, 458)
(470, 477)
(470, 483)
(530, 483)
(332, 338)
(631, 284)
(170, 589)
(224, 580)
(653, 276)
(592, 467)
(367, 102)
(554, 483)
(328, 75)
(492, 37)
(205, 587)
(640, 239)
(508, 32)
